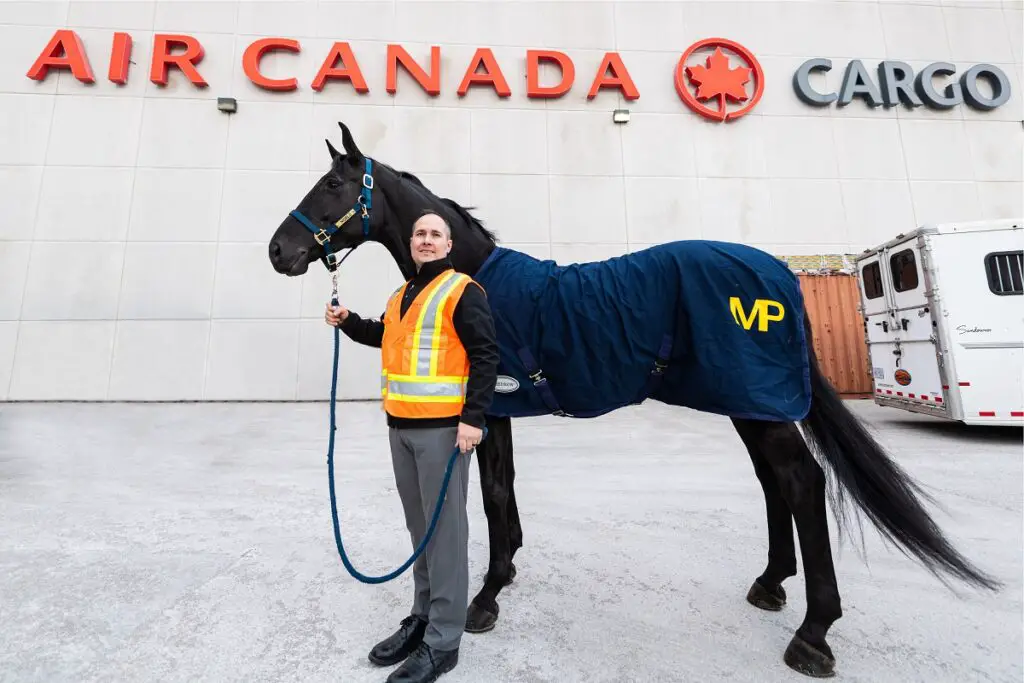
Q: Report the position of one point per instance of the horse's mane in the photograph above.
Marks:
(462, 211)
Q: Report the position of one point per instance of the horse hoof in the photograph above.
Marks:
(479, 620)
(803, 657)
(762, 598)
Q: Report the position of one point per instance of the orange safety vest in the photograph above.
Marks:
(424, 367)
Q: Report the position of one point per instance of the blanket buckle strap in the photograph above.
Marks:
(658, 372)
(540, 383)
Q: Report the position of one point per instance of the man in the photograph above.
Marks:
(437, 343)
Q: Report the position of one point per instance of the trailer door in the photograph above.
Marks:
(915, 361)
(875, 306)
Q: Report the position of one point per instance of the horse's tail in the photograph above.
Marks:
(878, 485)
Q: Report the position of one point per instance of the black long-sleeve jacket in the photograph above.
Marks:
(475, 327)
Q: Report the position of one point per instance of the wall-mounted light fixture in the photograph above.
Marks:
(620, 116)
(228, 105)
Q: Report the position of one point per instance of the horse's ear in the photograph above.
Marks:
(335, 154)
(354, 155)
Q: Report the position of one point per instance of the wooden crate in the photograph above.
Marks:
(833, 304)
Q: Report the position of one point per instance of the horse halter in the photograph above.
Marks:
(362, 206)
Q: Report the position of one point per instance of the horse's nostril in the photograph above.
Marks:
(275, 249)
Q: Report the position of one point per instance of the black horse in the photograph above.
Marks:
(349, 206)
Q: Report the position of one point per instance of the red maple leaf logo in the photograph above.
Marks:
(718, 80)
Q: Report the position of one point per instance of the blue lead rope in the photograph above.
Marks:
(334, 505)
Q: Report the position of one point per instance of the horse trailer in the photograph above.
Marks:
(943, 319)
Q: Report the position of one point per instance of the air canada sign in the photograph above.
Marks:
(715, 77)
(715, 81)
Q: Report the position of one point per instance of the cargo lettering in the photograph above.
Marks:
(759, 312)
(898, 84)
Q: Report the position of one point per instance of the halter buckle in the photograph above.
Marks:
(368, 181)
(332, 258)
(321, 237)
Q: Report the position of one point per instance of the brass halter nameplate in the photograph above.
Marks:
(344, 219)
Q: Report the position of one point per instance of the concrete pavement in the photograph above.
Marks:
(184, 542)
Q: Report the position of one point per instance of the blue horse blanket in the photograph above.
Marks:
(714, 326)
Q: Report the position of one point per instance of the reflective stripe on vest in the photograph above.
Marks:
(432, 389)
(425, 338)
(427, 389)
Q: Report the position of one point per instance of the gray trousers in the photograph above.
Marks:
(441, 572)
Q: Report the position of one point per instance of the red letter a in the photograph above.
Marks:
(619, 78)
(491, 76)
(64, 51)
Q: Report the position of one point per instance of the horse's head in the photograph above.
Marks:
(360, 200)
(341, 211)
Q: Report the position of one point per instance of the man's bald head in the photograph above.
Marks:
(429, 220)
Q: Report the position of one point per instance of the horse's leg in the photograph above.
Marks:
(512, 509)
(494, 456)
(767, 591)
(504, 483)
(802, 485)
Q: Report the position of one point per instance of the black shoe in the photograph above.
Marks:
(425, 665)
(399, 644)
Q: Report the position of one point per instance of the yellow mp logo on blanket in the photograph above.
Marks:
(759, 312)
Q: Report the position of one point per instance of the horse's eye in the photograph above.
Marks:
(333, 183)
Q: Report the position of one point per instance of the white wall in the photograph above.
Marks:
(134, 219)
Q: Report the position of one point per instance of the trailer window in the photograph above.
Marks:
(904, 270)
(1004, 272)
(871, 278)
